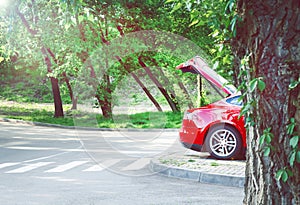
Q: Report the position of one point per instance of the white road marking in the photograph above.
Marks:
(95, 168)
(138, 164)
(66, 167)
(8, 164)
(109, 163)
(29, 167)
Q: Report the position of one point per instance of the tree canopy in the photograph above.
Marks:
(88, 49)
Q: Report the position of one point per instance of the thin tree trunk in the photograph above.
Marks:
(104, 97)
(55, 87)
(172, 102)
(136, 78)
(140, 83)
(269, 34)
(167, 83)
(73, 99)
(66, 79)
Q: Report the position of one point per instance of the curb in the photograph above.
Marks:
(194, 175)
(85, 128)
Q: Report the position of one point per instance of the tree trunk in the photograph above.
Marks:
(106, 107)
(55, 87)
(73, 99)
(57, 98)
(66, 79)
(167, 83)
(140, 83)
(104, 97)
(172, 102)
(269, 34)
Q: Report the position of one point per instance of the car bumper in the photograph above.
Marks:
(191, 136)
(194, 147)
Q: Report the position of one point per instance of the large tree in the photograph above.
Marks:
(267, 53)
(265, 41)
(35, 31)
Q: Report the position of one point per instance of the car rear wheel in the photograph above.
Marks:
(223, 142)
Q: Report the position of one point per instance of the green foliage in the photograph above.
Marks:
(257, 83)
(294, 143)
(290, 127)
(294, 84)
(283, 174)
(219, 19)
(294, 155)
(35, 91)
(265, 140)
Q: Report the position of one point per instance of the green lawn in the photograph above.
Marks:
(35, 112)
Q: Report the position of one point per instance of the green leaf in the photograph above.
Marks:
(268, 138)
(262, 139)
(261, 85)
(194, 22)
(284, 176)
(91, 17)
(80, 18)
(279, 174)
(176, 7)
(229, 6)
(294, 141)
(290, 128)
(292, 158)
(292, 120)
(169, 1)
(267, 151)
(290, 173)
(253, 84)
(245, 109)
(298, 157)
(294, 84)
(233, 23)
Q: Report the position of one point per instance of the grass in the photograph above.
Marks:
(214, 164)
(44, 113)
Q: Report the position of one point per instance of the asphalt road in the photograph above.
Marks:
(44, 165)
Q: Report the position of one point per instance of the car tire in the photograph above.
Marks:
(223, 142)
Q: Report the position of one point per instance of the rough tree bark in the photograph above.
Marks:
(268, 34)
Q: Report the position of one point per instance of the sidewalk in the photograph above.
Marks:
(200, 167)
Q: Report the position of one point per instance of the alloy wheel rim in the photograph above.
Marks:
(223, 142)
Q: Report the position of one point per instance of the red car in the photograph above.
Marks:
(217, 127)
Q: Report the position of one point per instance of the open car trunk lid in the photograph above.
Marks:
(197, 65)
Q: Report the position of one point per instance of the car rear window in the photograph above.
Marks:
(236, 100)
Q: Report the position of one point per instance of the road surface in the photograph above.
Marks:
(53, 166)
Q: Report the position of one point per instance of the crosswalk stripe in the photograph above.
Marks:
(103, 165)
(138, 164)
(29, 167)
(8, 164)
(66, 167)
(95, 168)
(110, 162)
